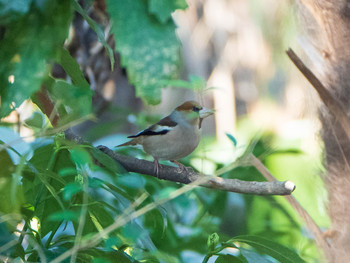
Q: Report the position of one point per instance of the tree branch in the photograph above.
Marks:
(174, 174)
(333, 105)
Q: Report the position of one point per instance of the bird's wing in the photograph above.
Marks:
(162, 127)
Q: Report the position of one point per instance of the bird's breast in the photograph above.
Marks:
(176, 144)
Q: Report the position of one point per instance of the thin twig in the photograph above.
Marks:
(310, 223)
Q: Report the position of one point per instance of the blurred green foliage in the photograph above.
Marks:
(54, 196)
(27, 43)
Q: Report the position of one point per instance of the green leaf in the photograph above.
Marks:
(11, 194)
(113, 242)
(175, 83)
(107, 161)
(36, 193)
(80, 156)
(97, 255)
(100, 260)
(212, 242)
(43, 178)
(162, 9)
(132, 232)
(149, 50)
(95, 182)
(271, 248)
(7, 167)
(97, 218)
(195, 83)
(64, 215)
(35, 121)
(72, 68)
(5, 238)
(13, 9)
(26, 47)
(198, 83)
(78, 100)
(131, 181)
(99, 32)
(232, 139)
(251, 255)
(71, 189)
(228, 259)
(156, 222)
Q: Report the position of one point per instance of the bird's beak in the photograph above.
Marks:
(203, 113)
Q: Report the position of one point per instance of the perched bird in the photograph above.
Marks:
(174, 136)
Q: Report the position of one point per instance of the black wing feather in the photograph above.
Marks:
(167, 122)
(149, 132)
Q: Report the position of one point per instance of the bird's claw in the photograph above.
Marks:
(182, 167)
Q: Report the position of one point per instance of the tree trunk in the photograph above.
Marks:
(329, 35)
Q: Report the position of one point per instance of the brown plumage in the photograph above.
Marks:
(174, 136)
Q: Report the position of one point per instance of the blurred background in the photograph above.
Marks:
(233, 51)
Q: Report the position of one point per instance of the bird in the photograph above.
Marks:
(173, 137)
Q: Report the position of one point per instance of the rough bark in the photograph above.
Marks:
(329, 34)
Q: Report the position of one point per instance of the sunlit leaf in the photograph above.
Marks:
(35, 121)
(212, 242)
(149, 53)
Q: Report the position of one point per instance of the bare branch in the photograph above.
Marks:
(333, 105)
(174, 174)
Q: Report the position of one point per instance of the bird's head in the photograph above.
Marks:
(193, 112)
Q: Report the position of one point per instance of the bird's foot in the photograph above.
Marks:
(156, 167)
(182, 167)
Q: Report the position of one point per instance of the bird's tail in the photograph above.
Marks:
(132, 142)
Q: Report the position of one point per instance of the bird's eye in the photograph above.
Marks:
(196, 109)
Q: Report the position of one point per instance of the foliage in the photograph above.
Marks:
(155, 42)
(27, 43)
(55, 198)
(260, 244)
